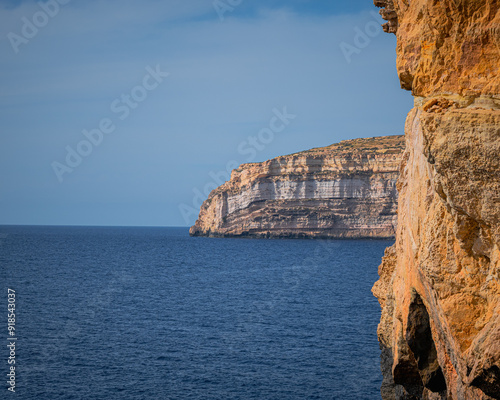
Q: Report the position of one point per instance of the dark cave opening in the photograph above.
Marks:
(421, 344)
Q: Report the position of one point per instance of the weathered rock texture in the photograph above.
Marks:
(346, 190)
(439, 285)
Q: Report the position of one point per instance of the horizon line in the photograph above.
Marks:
(95, 226)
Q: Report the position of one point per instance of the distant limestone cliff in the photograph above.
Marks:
(346, 190)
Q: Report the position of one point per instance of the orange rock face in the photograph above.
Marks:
(446, 46)
(439, 285)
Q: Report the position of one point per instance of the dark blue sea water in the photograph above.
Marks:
(150, 313)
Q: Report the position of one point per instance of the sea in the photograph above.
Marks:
(151, 313)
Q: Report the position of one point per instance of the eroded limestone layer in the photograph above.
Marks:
(439, 285)
(346, 190)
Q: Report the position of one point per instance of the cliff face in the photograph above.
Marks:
(439, 285)
(346, 190)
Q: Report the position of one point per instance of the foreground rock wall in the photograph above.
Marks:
(439, 285)
(346, 190)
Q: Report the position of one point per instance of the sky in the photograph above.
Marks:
(127, 113)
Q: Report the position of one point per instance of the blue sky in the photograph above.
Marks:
(66, 68)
